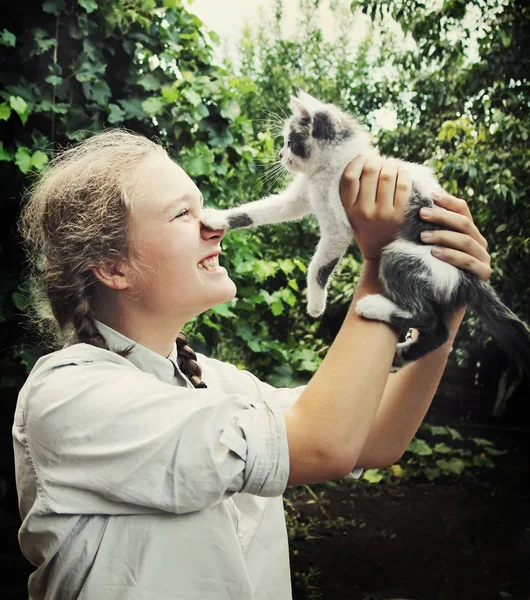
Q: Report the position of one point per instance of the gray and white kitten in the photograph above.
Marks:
(420, 290)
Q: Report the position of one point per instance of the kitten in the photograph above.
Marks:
(420, 290)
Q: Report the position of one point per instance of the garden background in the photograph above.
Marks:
(448, 520)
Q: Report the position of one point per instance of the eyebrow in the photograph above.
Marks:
(174, 202)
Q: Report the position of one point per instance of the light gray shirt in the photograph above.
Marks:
(135, 485)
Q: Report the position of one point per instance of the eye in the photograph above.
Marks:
(288, 143)
(182, 213)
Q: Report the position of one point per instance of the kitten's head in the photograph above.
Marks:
(313, 131)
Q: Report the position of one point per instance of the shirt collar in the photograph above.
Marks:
(142, 357)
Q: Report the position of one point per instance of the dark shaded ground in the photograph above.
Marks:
(417, 541)
(460, 539)
(414, 541)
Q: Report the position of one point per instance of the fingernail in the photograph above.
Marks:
(437, 251)
(426, 235)
(426, 212)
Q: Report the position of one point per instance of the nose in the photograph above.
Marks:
(212, 234)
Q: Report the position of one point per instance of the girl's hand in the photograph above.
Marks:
(460, 243)
(374, 193)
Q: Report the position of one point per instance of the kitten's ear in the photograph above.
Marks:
(299, 108)
(308, 99)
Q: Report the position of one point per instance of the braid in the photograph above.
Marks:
(187, 361)
(82, 318)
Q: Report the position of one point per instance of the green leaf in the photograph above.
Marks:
(53, 79)
(89, 5)
(277, 308)
(5, 154)
(52, 7)
(7, 38)
(442, 448)
(116, 115)
(153, 106)
(149, 82)
(419, 447)
(483, 461)
(19, 105)
(431, 473)
(231, 110)
(398, 471)
(20, 300)
(192, 96)
(500, 228)
(495, 452)
(454, 433)
(170, 94)
(198, 165)
(455, 465)
(23, 159)
(38, 160)
(5, 111)
(133, 108)
(223, 311)
(372, 475)
(481, 441)
(172, 4)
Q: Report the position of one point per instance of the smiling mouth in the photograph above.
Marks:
(210, 263)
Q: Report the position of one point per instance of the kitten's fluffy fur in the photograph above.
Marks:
(319, 141)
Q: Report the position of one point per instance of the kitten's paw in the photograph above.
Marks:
(399, 361)
(215, 219)
(314, 309)
(374, 307)
(316, 300)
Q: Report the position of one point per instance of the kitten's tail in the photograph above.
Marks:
(512, 334)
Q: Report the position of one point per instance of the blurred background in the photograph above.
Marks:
(442, 82)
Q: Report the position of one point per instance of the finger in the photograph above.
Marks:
(451, 220)
(350, 182)
(457, 241)
(369, 181)
(403, 188)
(455, 204)
(386, 186)
(462, 260)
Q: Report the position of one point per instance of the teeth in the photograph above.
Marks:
(209, 264)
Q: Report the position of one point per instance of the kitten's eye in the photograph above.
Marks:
(288, 143)
(183, 213)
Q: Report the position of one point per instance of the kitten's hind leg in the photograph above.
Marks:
(427, 341)
(328, 253)
(379, 308)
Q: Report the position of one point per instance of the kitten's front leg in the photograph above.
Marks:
(289, 205)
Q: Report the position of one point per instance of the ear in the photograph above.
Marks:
(300, 108)
(116, 276)
(307, 99)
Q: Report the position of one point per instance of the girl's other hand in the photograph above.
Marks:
(460, 243)
(375, 192)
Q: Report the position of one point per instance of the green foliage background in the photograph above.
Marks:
(71, 68)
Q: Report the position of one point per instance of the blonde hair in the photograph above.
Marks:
(76, 218)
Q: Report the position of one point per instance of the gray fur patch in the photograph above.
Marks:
(413, 225)
(325, 272)
(239, 221)
(323, 128)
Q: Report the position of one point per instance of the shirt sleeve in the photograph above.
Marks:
(109, 439)
(229, 377)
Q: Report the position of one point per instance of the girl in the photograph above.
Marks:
(145, 471)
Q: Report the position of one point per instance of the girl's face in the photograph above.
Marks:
(170, 244)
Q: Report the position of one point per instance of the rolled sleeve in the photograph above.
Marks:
(259, 437)
(109, 439)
